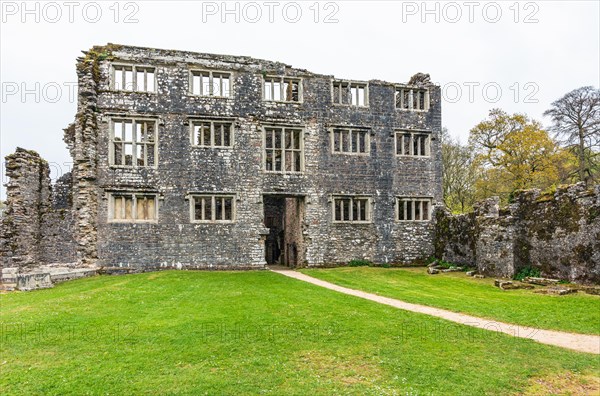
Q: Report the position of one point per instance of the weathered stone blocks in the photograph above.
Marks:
(557, 233)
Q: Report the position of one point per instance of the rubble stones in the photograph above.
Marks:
(591, 290)
(561, 291)
(455, 269)
(540, 281)
(509, 285)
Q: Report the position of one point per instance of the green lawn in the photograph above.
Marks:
(247, 333)
(578, 313)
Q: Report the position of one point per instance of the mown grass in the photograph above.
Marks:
(579, 313)
(248, 333)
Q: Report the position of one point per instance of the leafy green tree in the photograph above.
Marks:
(513, 152)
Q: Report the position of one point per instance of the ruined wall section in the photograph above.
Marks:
(81, 139)
(455, 237)
(558, 233)
(495, 246)
(37, 224)
(28, 193)
(58, 244)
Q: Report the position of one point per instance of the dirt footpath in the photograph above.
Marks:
(578, 342)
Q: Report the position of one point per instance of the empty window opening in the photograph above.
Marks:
(133, 207)
(349, 93)
(414, 209)
(212, 133)
(358, 95)
(283, 149)
(209, 83)
(281, 89)
(133, 143)
(213, 208)
(413, 143)
(351, 209)
(134, 78)
(412, 98)
(350, 141)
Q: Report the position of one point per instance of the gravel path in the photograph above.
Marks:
(577, 342)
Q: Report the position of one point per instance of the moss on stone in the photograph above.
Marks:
(583, 252)
(567, 215)
(592, 214)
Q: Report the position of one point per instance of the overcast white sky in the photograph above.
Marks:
(525, 54)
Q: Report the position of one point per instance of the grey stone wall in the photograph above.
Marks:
(557, 233)
(57, 242)
(81, 138)
(27, 197)
(37, 225)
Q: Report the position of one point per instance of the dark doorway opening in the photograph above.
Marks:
(284, 217)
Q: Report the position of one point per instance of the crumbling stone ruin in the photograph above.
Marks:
(190, 160)
(557, 233)
(38, 222)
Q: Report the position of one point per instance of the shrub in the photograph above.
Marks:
(527, 271)
(359, 263)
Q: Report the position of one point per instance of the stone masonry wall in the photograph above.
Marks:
(57, 243)
(81, 138)
(37, 224)
(27, 197)
(557, 233)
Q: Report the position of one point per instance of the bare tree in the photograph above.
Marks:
(576, 124)
(459, 174)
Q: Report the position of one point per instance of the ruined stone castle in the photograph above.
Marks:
(191, 160)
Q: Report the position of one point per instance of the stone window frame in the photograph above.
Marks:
(351, 129)
(352, 198)
(400, 102)
(301, 149)
(282, 81)
(111, 148)
(211, 75)
(422, 133)
(194, 121)
(112, 195)
(134, 69)
(400, 205)
(350, 85)
(191, 197)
